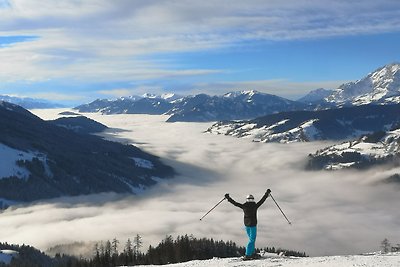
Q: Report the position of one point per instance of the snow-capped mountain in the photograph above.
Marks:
(315, 96)
(380, 147)
(29, 103)
(201, 107)
(128, 105)
(379, 87)
(300, 126)
(231, 106)
(42, 160)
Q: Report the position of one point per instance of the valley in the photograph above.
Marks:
(342, 212)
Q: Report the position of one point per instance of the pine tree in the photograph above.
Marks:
(114, 246)
(137, 241)
(128, 251)
(385, 245)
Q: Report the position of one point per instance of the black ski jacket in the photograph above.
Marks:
(249, 210)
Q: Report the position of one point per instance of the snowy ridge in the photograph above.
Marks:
(368, 260)
(368, 150)
(197, 108)
(304, 126)
(248, 93)
(381, 87)
(306, 131)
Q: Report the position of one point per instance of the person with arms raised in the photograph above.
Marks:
(250, 208)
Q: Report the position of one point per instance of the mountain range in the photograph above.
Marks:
(43, 160)
(230, 106)
(197, 108)
(30, 103)
(303, 126)
(379, 87)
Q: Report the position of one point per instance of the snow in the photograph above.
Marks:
(250, 130)
(304, 132)
(372, 260)
(143, 163)
(387, 147)
(8, 166)
(379, 86)
(394, 100)
(9, 158)
(249, 93)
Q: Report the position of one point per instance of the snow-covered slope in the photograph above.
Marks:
(380, 147)
(368, 260)
(301, 126)
(10, 157)
(380, 87)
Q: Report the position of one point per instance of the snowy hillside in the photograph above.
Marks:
(303, 126)
(378, 148)
(381, 87)
(368, 260)
(42, 160)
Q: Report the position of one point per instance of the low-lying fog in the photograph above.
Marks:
(332, 212)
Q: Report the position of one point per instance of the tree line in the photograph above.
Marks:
(113, 253)
(169, 250)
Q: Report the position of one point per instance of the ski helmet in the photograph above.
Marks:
(250, 198)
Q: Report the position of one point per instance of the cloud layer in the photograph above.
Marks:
(332, 212)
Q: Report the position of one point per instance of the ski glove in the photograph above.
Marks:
(227, 196)
(268, 192)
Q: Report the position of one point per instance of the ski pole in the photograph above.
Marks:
(212, 209)
(280, 209)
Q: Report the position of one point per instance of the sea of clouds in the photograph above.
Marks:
(343, 212)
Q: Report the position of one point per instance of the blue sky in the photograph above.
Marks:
(76, 51)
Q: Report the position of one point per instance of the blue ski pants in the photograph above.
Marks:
(252, 234)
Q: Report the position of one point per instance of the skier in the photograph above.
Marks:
(250, 220)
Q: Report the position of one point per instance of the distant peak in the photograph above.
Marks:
(392, 68)
(149, 95)
(242, 92)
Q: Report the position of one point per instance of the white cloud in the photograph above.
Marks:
(332, 212)
(98, 38)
